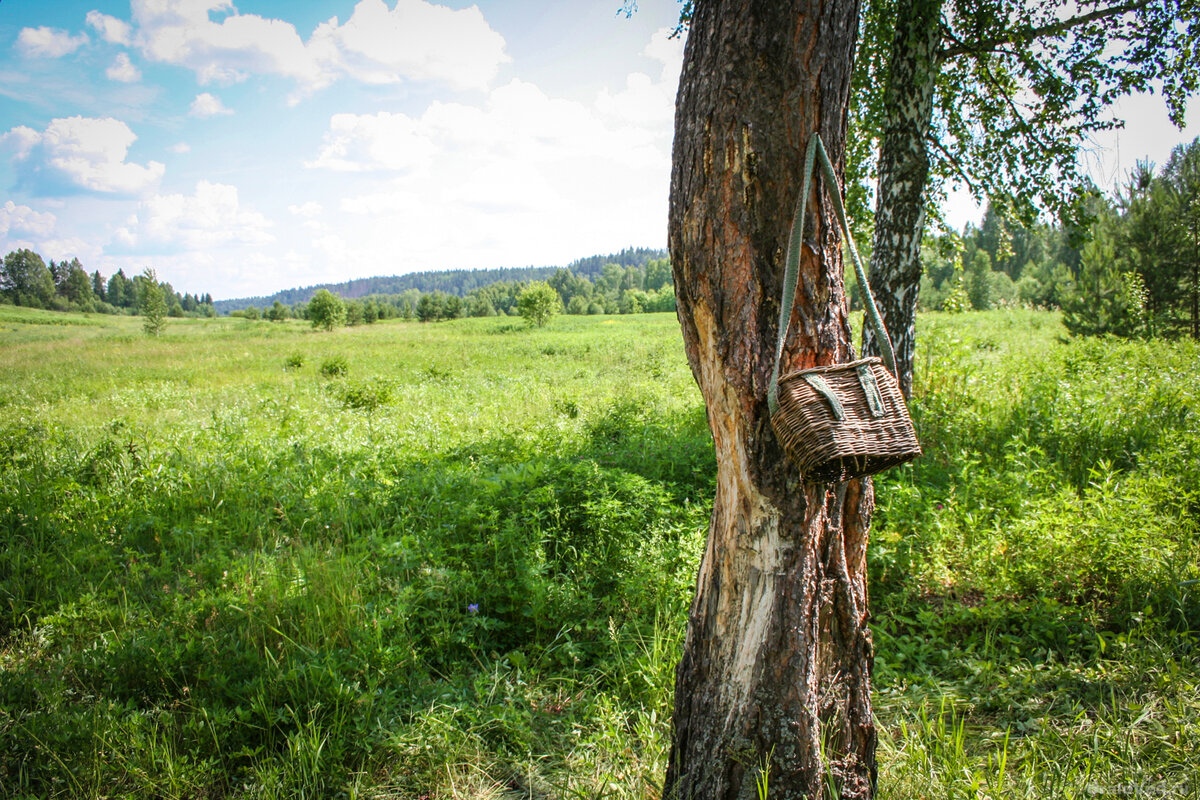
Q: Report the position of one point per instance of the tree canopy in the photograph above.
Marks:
(538, 302)
(1019, 87)
(326, 310)
(999, 97)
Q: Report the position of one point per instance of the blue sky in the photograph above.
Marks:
(242, 149)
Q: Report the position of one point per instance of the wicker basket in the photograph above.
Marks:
(846, 420)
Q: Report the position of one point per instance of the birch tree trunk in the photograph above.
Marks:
(775, 673)
(895, 272)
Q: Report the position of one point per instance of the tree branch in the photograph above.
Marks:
(956, 165)
(1052, 29)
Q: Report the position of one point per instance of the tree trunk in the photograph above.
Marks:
(775, 673)
(1195, 299)
(895, 273)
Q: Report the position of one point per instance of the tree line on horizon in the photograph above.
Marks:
(616, 289)
(27, 280)
(459, 282)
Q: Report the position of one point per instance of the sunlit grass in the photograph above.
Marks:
(462, 567)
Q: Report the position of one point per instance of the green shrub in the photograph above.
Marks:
(366, 395)
(335, 367)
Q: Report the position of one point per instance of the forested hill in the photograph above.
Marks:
(457, 282)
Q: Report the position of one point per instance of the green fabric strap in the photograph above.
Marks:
(792, 269)
(835, 405)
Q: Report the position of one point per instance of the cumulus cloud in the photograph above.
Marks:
(79, 153)
(23, 219)
(519, 126)
(414, 40)
(519, 178)
(369, 142)
(307, 210)
(206, 105)
(644, 98)
(123, 70)
(68, 247)
(228, 51)
(111, 29)
(20, 142)
(209, 218)
(46, 42)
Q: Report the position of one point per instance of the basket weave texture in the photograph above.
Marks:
(844, 421)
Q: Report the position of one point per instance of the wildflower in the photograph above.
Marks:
(473, 608)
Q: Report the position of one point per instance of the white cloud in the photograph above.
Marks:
(228, 51)
(414, 40)
(645, 99)
(211, 217)
(519, 127)
(180, 148)
(667, 49)
(367, 142)
(24, 219)
(417, 40)
(111, 29)
(308, 210)
(46, 42)
(123, 70)
(206, 105)
(80, 153)
(85, 250)
(522, 178)
(20, 140)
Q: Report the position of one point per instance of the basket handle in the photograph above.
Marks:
(792, 268)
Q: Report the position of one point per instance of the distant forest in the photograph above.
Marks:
(457, 282)
(26, 280)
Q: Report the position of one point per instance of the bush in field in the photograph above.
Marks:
(294, 361)
(335, 367)
(367, 395)
(538, 303)
(326, 310)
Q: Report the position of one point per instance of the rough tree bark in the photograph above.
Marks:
(895, 272)
(775, 671)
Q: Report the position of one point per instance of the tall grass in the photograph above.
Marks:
(461, 567)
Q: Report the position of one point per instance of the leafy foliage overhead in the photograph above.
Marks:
(1020, 88)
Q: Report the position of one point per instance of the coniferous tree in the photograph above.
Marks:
(1181, 201)
(775, 668)
(153, 303)
(99, 288)
(1108, 295)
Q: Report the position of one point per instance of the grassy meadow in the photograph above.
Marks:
(249, 560)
